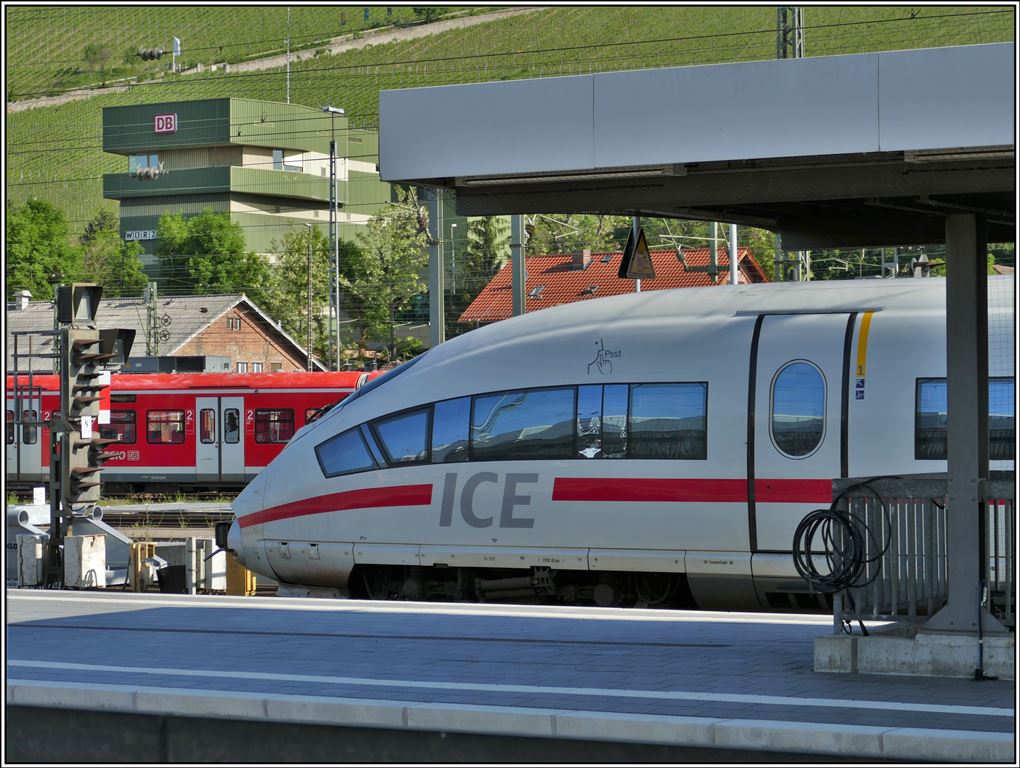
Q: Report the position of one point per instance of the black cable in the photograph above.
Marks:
(845, 540)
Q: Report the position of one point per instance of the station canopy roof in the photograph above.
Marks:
(858, 150)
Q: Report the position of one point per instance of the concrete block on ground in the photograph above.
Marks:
(929, 654)
(85, 561)
(30, 560)
(836, 653)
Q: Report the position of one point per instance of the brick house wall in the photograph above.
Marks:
(243, 336)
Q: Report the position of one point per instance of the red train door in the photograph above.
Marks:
(24, 449)
(219, 451)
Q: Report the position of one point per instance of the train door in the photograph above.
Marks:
(219, 451)
(798, 422)
(24, 447)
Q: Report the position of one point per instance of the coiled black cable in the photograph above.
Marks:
(845, 540)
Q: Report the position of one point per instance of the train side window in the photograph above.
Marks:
(121, 427)
(667, 421)
(589, 421)
(1001, 419)
(523, 424)
(29, 432)
(404, 437)
(344, 453)
(10, 427)
(798, 409)
(931, 419)
(274, 425)
(231, 426)
(450, 422)
(615, 404)
(165, 426)
(207, 425)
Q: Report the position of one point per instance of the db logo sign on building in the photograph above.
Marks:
(166, 123)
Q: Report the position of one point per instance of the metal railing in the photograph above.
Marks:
(905, 575)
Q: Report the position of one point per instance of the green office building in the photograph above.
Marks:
(263, 162)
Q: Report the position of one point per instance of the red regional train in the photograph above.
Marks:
(193, 431)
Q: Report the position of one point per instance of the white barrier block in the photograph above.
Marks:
(85, 561)
(30, 560)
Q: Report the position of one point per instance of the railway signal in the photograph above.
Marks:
(76, 454)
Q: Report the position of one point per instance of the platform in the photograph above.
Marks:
(156, 678)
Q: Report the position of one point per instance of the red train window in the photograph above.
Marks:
(274, 425)
(121, 427)
(165, 426)
(231, 426)
(29, 432)
(207, 425)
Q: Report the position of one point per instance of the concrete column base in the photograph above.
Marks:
(905, 651)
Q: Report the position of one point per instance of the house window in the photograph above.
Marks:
(233, 323)
(137, 162)
(242, 367)
(277, 159)
(256, 367)
(276, 367)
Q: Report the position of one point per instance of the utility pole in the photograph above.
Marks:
(789, 45)
(334, 241)
(635, 228)
(733, 254)
(518, 275)
(308, 365)
(437, 314)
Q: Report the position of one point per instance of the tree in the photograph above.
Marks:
(39, 245)
(286, 300)
(487, 249)
(381, 278)
(206, 254)
(570, 232)
(428, 13)
(110, 261)
(97, 56)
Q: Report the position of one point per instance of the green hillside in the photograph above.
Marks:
(55, 153)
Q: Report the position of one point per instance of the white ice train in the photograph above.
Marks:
(657, 448)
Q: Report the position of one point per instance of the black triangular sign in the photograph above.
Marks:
(637, 261)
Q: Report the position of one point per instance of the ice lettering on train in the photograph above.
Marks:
(511, 498)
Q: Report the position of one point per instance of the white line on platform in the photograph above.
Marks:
(731, 698)
(127, 601)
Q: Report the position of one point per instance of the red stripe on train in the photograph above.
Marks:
(690, 490)
(363, 498)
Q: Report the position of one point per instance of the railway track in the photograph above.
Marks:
(167, 514)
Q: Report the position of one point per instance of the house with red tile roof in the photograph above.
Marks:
(565, 278)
